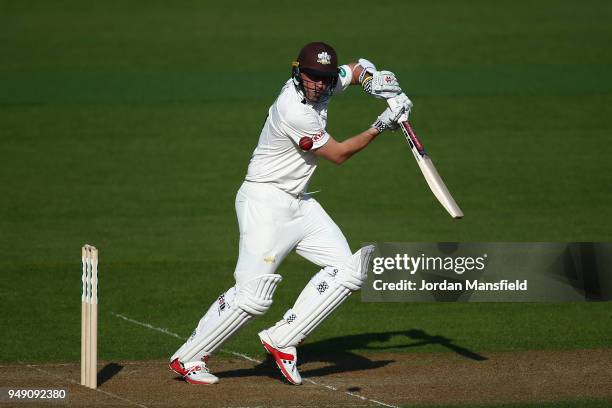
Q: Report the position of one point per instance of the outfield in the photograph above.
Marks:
(130, 126)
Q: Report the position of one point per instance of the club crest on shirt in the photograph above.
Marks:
(318, 136)
(324, 58)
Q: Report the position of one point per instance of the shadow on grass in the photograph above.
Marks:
(340, 356)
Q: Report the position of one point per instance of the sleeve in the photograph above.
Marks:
(305, 129)
(345, 76)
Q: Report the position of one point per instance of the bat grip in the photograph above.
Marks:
(408, 128)
(412, 135)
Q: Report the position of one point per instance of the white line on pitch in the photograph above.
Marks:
(169, 333)
(70, 380)
(148, 326)
(246, 357)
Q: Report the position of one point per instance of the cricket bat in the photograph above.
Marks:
(434, 181)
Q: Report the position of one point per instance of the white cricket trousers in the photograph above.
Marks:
(272, 223)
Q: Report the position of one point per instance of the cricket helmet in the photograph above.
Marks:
(317, 60)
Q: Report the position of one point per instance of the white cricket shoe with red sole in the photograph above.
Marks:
(194, 372)
(285, 358)
(178, 367)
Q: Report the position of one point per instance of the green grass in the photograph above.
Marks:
(154, 293)
(130, 125)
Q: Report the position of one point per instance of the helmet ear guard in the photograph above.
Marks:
(297, 79)
(295, 73)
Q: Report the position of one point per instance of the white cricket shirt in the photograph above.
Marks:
(278, 158)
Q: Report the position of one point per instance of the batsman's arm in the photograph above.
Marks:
(356, 69)
(379, 84)
(339, 152)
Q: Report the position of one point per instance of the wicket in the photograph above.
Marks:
(89, 317)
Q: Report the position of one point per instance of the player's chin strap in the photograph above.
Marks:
(321, 296)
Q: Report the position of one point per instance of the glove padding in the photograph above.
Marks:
(368, 68)
(398, 110)
(400, 102)
(382, 85)
(387, 120)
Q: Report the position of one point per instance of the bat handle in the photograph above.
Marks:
(406, 125)
(409, 132)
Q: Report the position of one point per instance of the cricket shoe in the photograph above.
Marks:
(285, 358)
(194, 372)
(178, 367)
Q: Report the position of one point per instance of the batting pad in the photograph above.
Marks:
(232, 310)
(321, 296)
(255, 296)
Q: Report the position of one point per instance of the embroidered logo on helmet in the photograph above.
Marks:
(324, 58)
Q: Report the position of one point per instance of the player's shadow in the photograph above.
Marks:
(339, 351)
(340, 356)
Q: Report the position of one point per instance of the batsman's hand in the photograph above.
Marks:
(387, 120)
(382, 85)
(368, 68)
(401, 103)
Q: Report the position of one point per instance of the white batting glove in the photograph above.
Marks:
(387, 120)
(382, 85)
(368, 68)
(401, 103)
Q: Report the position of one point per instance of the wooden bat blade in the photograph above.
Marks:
(437, 186)
(433, 179)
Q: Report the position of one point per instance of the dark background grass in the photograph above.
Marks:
(129, 125)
